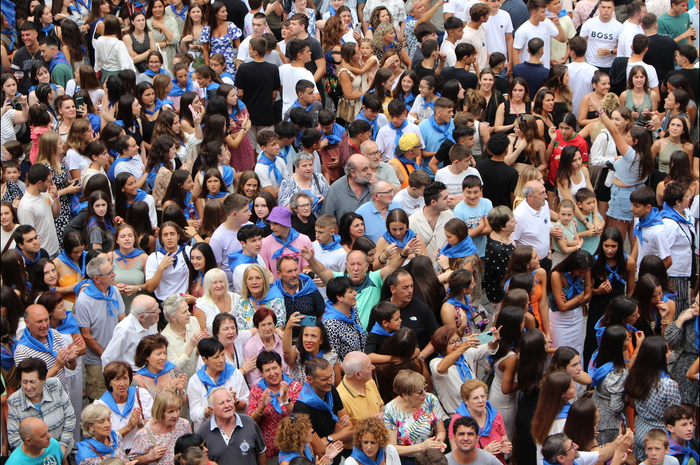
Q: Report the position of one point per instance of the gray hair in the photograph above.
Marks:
(210, 397)
(353, 362)
(349, 165)
(170, 306)
(553, 446)
(375, 186)
(410, 6)
(364, 147)
(302, 156)
(138, 309)
(498, 217)
(93, 268)
(93, 413)
(528, 190)
(294, 202)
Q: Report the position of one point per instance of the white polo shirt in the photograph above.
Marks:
(533, 227)
(127, 335)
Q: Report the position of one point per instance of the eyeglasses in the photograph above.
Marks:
(573, 446)
(109, 273)
(305, 205)
(424, 87)
(424, 390)
(373, 154)
(454, 342)
(386, 192)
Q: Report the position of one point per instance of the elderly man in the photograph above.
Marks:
(375, 211)
(558, 449)
(350, 191)
(40, 398)
(429, 222)
(299, 290)
(232, 439)
(98, 310)
(142, 321)
(40, 341)
(381, 170)
(38, 447)
(284, 240)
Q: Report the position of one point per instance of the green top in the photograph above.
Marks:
(368, 297)
(674, 25)
(61, 74)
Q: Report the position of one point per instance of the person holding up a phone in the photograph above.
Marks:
(10, 115)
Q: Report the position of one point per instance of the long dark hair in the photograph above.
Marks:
(119, 195)
(654, 265)
(642, 151)
(580, 423)
(160, 153)
(13, 272)
(39, 286)
(125, 113)
(429, 288)
(564, 170)
(398, 90)
(647, 369)
(549, 404)
(175, 192)
(533, 361)
(619, 309)
(101, 221)
(643, 293)
(511, 318)
(137, 216)
(325, 344)
(14, 308)
(209, 260)
(598, 270)
(401, 345)
(611, 348)
(578, 260)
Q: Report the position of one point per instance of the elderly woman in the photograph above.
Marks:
(226, 331)
(371, 441)
(414, 418)
(453, 365)
(492, 429)
(313, 342)
(158, 374)
(303, 219)
(101, 441)
(267, 339)
(155, 442)
(272, 398)
(183, 334)
(130, 405)
(216, 299)
(304, 180)
(256, 293)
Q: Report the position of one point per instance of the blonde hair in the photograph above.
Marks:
(470, 386)
(164, 401)
(210, 276)
(379, 32)
(566, 203)
(408, 382)
(245, 293)
(93, 413)
(48, 143)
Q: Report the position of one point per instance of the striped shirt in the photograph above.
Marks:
(135, 167)
(23, 352)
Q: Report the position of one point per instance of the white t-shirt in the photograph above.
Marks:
(243, 52)
(679, 237)
(477, 38)
(448, 48)
(36, 211)
(624, 41)
(466, 16)
(453, 182)
(386, 139)
(268, 179)
(580, 75)
(75, 161)
(289, 76)
(558, 51)
(456, 7)
(601, 35)
(7, 127)
(175, 278)
(654, 242)
(408, 203)
(545, 31)
(496, 29)
(652, 77)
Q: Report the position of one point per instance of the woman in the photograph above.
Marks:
(582, 424)
(304, 180)
(552, 407)
(130, 405)
(566, 358)
(248, 185)
(9, 222)
(216, 298)
(524, 259)
(267, 339)
(354, 86)
(74, 45)
(190, 42)
(313, 342)
(151, 109)
(129, 262)
(111, 54)
(460, 253)
(162, 278)
(168, 124)
(527, 148)
(139, 41)
(677, 138)
(39, 74)
(179, 192)
(392, 61)
(183, 333)
(160, 166)
(10, 116)
(424, 104)
(493, 97)
(238, 141)
(158, 374)
(385, 39)
(126, 195)
(427, 286)
(399, 234)
(566, 135)
(518, 104)
(70, 264)
(101, 440)
(44, 279)
(453, 365)
(676, 104)
(571, 287)
(293, 440)
(137, 215)
(225, 330)
(256, 293)
(587, 109)
(542, 109)
(166, 33)
(572, 176)
(622, 311)
(220, 36)
(457, 311)
(651, 388)
(371, 441)
(201, 260)
(79, 136)
(96, 151)
(638, 97)
(609, 373)
(14, 274)
(128, 116)
(558, 82)
(683, 335)
(492, 431)
(351, 226)
(653, 310)
(679, 171)
(303, 219)
(272, 398)
(414, 417)
(499, 247)
(156, 440)
(214, 215)
(67, 114)
(407, 88)
(263, 204)
(86, 79)
(401, 351)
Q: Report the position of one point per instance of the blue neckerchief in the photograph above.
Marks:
(274, 398)
(79, 286)
(179, 250)
(85, 451)
(27, 261)
(399, 131)
(182, 14)
(158, 106)
(151, 73)
(140, 196)
(151, 177)
(377, 329)
(491, 413)
(133, 254)
(335, 136)
(272, 166)
(10, 32)
(307, 286)
(272, 294)
(83, 4)
(564, 412)
(289, 456)
(365, 284)
(177, 91)
(168, 102)
(218, 195)
(333, 245)
(400, 244)
(360, 457)
(285, 153)
(30, 341)
(108, 224)
(612, 274)
(410, 18)
(239, 258)
(260, 223)
(63, 256)
(227, 175)
(117, 160)
(672, 214)
(427, 104)
(47, 29)
(573, 285)
(599, 330)
(212, 87)
(189, 210)
(652, 219)
(465, 373)
(296, 104)
(68, 325)
(209, 383)
(373, 123)
(333, 313)
(438, 128)
(168, 366)
(112, 404)
(598, 374)
(291, 237)
(331, 10)
(406, 161)
(310, 398)
(73, 8)
(240, 106)
(468, 309)
(410, 98)
(464, 249)
(200, 278)
(664, 374)
(78, 207)
(111, 299)
(697, 335)
(685, 451)
(137, 4)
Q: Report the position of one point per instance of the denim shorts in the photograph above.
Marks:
(619, 206)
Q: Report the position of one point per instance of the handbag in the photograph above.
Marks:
(346, 111)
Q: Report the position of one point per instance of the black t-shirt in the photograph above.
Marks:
(258, 81)
(308, 228)
(443, 153)
(499, 181)
(421, 319)
(692, 75)
(24, 60)
(422, 71)
(322, 421)
(374, 343)
(316, 54)
(466, 78)
(502, 85)
(42, 254)
(661, 53)
(236, 13)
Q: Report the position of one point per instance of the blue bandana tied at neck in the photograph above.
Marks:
(272, 294)
(175, 254)
(272, 166)
(85, 451)
(158, 106)
(140, 197)
(216, 196)
(612, 274)
(686, 451)
(124, 257)
(564, 412)
(377, 329)
(200, 278)
(151, 178)
(406, 161)
(310, 398)
(463, 249)
(189, 210)
(335, 136)
(400, 244)
(63, 256)
(289, 456)
(47, 29)
(108, 224)
(306, 287)
(239, 107)
(465, 373)
(491, 413)
(227, 174)
(177, 91)
(111, 298)
(108, 399)
(209, 383)
(360, 457)
(439, 128)
(287, 244)
(27, 261)
(239, 258)
(672, 214)
(10, 32)
(373, 124)
(399, 131)
(468, 309)
(599, 329)
(58, 59)
(168, 366)
(151, 73)
(181, 14)
(333, 245)
(598, 374)
(652, 219)
(274, 398)
(573, 285)
(260, 223)
(68, 325)
(333, 313)
(117, 160)
(30, 341)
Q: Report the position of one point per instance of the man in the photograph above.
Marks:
(300, 54)
(580, 72)
(423, 31)
(259, 24)
(250, 237)
(454, 28)
(536, 26)
(465, 55)
(232, 439)
(640, 46)
(60, 69)
(98, 309)
(630, 28)
(662, 48)
(380, 170)
(40, 398)
(676, 24)
(532, 70)
(258, 82)
(319, 399)
(298, 27)
(38, 447)
(435, 130)
(433, 59)
(372, 113)
(474, 34)
(40, 205)
(299, 290)
(375, 211)
(499, 178)
(358, 390)
(388, 136)
(466, 438)
(602, 33)
(406, 153)
(24, 58)
(685, 59)
(534, 225)
(358, 132)
(499, 32)
(224, 240)
(28, 244)
(429, 222)
(558, 449)
(417, 14)
(518, 12)
(350, 191)
(142, 321)
(305, 99)
(284, 240)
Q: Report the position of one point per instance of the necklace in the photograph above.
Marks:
(510, 241)
(678, 142)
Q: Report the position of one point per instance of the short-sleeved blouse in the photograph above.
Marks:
(495, 265)
(417, 427)
(628, 168)
(271, 419)
(245, 309)
(222, 45)
(298, 373)
(650, 412)
(143, 442)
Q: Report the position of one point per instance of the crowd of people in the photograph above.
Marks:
(295, 232)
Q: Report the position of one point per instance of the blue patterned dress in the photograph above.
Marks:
(223, 45)
(650, 412)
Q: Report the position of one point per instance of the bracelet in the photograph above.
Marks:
(402, 255)
(382, 262)
(664, 322)
(599, 112)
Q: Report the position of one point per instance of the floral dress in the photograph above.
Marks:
(146, 440)
(417, 427)
(271, 419)
(170, 50)
(223, 45)
(61, 181)
(242, 158)
(245, 309)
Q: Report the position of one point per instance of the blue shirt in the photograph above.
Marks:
(432, 139)
(375, 223)
(517, 11)
(472, 216)
(535, 74)
(18, 457)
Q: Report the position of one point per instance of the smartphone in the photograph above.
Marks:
(308, 321)
(76, 182)
(194, 113)
(623, 428)
(78, 102)
(485, 337)
(357, 28)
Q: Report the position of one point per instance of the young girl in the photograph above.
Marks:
(217, 62)
(397, 232)
(407, 88)
(214, 155)
(186, 115)
(518, 104)
(460, 252)
(151, 109)
(567, 135)
(521, 298)
(424, 104)
(382, 85)
(457, 310)
(96, 151)
(638, 97)
(248, 185)
(262, 206)
(653, 311)
(129, 263)
(181, 84)
(207, 80)
(214, 186)
(524, 259)
(242, 153)
(160, 166)
(168, 124)
(179, 192)
(99, 223)
(162, 85)
(127, 192)
(129, 117)
(39, 123)
(571, 240)
(40, 74)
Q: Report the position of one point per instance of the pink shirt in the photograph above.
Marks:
(270, 246)
(498, 430)
(253, 348)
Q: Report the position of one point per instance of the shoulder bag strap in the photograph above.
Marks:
(95, 451)
(138, 399)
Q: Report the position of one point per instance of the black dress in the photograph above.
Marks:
(509, 118)
(496, 260)
(139, 48)
(596, 310)
(527, 450)
(560, 109)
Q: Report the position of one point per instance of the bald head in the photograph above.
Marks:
(145, 308)
(354, 362)
(37, 319)
(357, 168)
(535, 194)
(34, 432)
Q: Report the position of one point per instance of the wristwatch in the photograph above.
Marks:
(612, 51)
(329, 439)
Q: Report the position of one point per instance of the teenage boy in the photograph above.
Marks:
(648, 228)
(389, 135)
(411, 198)
(423, 31)
(497, 63)
(28, 244)
(465, 55)
(305, 99)
(656, 446)
(331, 135)
(602, 33)
(586, 203)
(299, 53)
(258, 27)
(679, 423)
(686, 55)
(559, 51)
(499, 178)
(454, 28)
(387, 320)
(436, 129)
(327, 248)
(372, 113)
(662, 48)
(406, 157)
(284, 240)
(459, 168)
(433, 59)
(40, 205)
(630, 28)
(250, 237)
(536, 26)
(257, 83)
(473, 210)
(358, 132)
(676, 24)
(225, 241)
(499, 32)
(60, 69)
(298, 28)
(462, 134)
(474, 34)
(311, 143)
(429, 222)
(580, 72)
(679, 231)
(532, 70)
(271, 168)
(287, 133)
